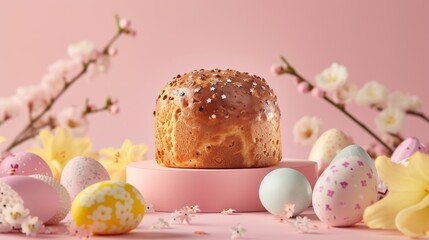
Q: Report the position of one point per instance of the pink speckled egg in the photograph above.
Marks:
(24, 163)
(344, 190)
(39, 197)
(406, 149)
(327, 146)
(81, 172)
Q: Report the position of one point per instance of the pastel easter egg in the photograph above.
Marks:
(344, 190)
(109, 207)
(285, 186)
(356, 150)
(65, 202)
(24, 163)
(327, 146)
(407, 148)
(39, 197)
(81, 172)
(8, 198)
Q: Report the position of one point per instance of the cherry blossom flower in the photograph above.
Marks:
(124, 23)
(181, 216)
(15, 214)
(282, 217)
(301, 224)
(149, 207)
(317, 92)
(390, 120)
(65, 69)
(34, 97)
(276, 69)
(114, 109)
(193, 209)
(227, 211)
(237, 231)
(345, 93)
(303, 87)
(101, 65)
(31, 226)
(372, 94)
(404, 101)
(112, 51)
(331, 78)
(161, 224)
(73, 119)
(83, 51)
(52, 84)
(289, 209)
(79, 231)
(307, 130)
(9, 108)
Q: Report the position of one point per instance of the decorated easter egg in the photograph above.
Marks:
(24, 163)
(39, 197)
(109, 207)
(407, 148)
(65, 202)
(81, 172)
(285, 186)
(8, 198)
(327, 146)
(356, 150)
(344, 190)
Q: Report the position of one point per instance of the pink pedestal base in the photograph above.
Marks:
(213, 190)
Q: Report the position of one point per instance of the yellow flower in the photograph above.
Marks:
(406, 206)
(2, 139)
(59, 147)
(116, 160)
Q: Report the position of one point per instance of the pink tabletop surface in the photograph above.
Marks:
(258, 226)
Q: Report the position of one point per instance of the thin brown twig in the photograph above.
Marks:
(291, 71)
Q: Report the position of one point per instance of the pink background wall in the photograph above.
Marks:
(383, 40)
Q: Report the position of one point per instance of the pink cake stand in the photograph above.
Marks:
(213, 190)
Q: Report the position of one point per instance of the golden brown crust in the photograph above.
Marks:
(217, 119)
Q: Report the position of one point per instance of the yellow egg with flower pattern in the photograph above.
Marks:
(108, 207)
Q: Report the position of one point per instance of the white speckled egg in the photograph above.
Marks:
(65, 202)
(81, 172)
(109, 207)
(24, 163)
(285, 186)
(344, 190)
(327, 146)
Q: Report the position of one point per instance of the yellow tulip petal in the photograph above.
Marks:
(414, 221)
(58, 147)
(397, 176)
(115, 160)
(418, 165)
(381, 215)
(2, 139)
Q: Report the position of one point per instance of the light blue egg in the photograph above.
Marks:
(283, 186)
(356, 151)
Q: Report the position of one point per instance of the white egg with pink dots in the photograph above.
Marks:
(344, 190)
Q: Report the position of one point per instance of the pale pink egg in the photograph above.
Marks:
(24, 163)
(406, 149)
(39, 197)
